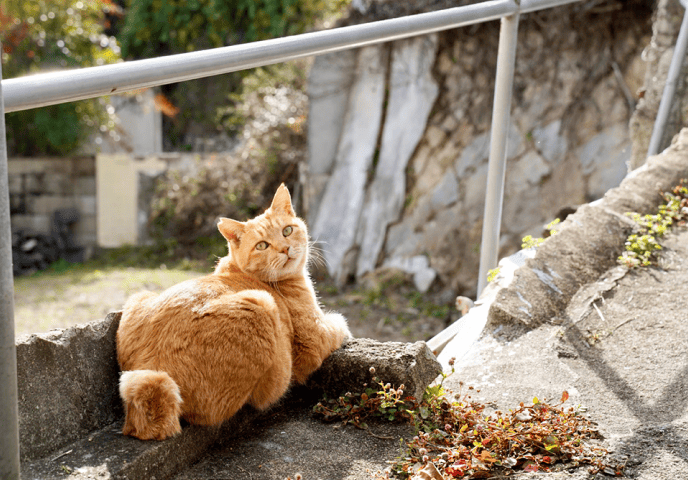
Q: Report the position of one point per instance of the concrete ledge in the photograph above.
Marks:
(547, 282)
(67, 385)
(347, 369)
(71, 414)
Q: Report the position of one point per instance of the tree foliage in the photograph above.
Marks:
(153, 27)
(39, 35)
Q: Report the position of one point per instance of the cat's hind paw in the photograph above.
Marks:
(152, 404)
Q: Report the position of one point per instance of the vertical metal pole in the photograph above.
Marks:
(501, 109)
(670, 87)
(9, 423)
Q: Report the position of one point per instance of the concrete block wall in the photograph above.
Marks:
(39, 186)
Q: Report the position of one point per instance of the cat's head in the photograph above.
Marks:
(272, 246)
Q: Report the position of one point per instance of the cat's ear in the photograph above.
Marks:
(231, 229)
(282, 202)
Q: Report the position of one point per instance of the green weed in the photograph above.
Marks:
(642, 247)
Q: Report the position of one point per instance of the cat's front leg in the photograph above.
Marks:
(315, 344)
(338, 327)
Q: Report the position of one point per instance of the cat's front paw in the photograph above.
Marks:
(338, 323)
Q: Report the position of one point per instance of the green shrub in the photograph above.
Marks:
(153, 27)
(162, 27)
(39, 35)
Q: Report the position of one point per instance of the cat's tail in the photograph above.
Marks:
(152, 404)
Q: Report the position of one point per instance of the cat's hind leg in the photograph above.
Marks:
(273, 384)
(246, 350)
(152, 403)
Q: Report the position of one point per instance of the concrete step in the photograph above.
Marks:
(71, 417)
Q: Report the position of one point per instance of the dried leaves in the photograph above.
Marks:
(459, 439)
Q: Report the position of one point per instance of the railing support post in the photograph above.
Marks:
(670, 86)
(9, 423)
(506, 56)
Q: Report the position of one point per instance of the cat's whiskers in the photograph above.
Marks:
(316, 253)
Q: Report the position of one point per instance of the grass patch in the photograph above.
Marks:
(67, 294)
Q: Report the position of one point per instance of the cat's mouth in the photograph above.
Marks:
(290, 258)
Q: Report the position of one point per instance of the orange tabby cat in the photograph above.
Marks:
(202, 349)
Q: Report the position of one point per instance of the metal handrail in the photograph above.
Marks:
(673, 75)
(66, 86)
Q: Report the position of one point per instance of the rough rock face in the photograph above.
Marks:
(410, 364)
(657, 56)
(400, 181)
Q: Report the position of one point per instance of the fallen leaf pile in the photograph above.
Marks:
(459, 439)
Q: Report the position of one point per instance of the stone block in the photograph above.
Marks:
(85, 185)
(473, 155)
(412, 94)
(32, 223)
(329, 82)
(526, 172)
(47, 204)
(86, 204)
(435, 136)
(345, 191)
(604, 158)
(347, 369)
(446, 192)
(15, 183)
(84, 167)
(67, 385)
(548, 141)
(57, 183)
(27, 165)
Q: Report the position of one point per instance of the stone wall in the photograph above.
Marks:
(39, 186)
(399, 137)
(657, 56)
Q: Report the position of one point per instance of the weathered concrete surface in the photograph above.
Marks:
(545, 285)
(292, 440)
(614, 339)
(67, 385)
(619, 349)
(71, 415)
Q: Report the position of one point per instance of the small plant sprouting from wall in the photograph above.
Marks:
(643, 246)
(528, 242)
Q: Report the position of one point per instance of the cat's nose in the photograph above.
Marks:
(285, 251)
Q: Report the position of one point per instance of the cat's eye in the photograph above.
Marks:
(262, 246)
(287, 231)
